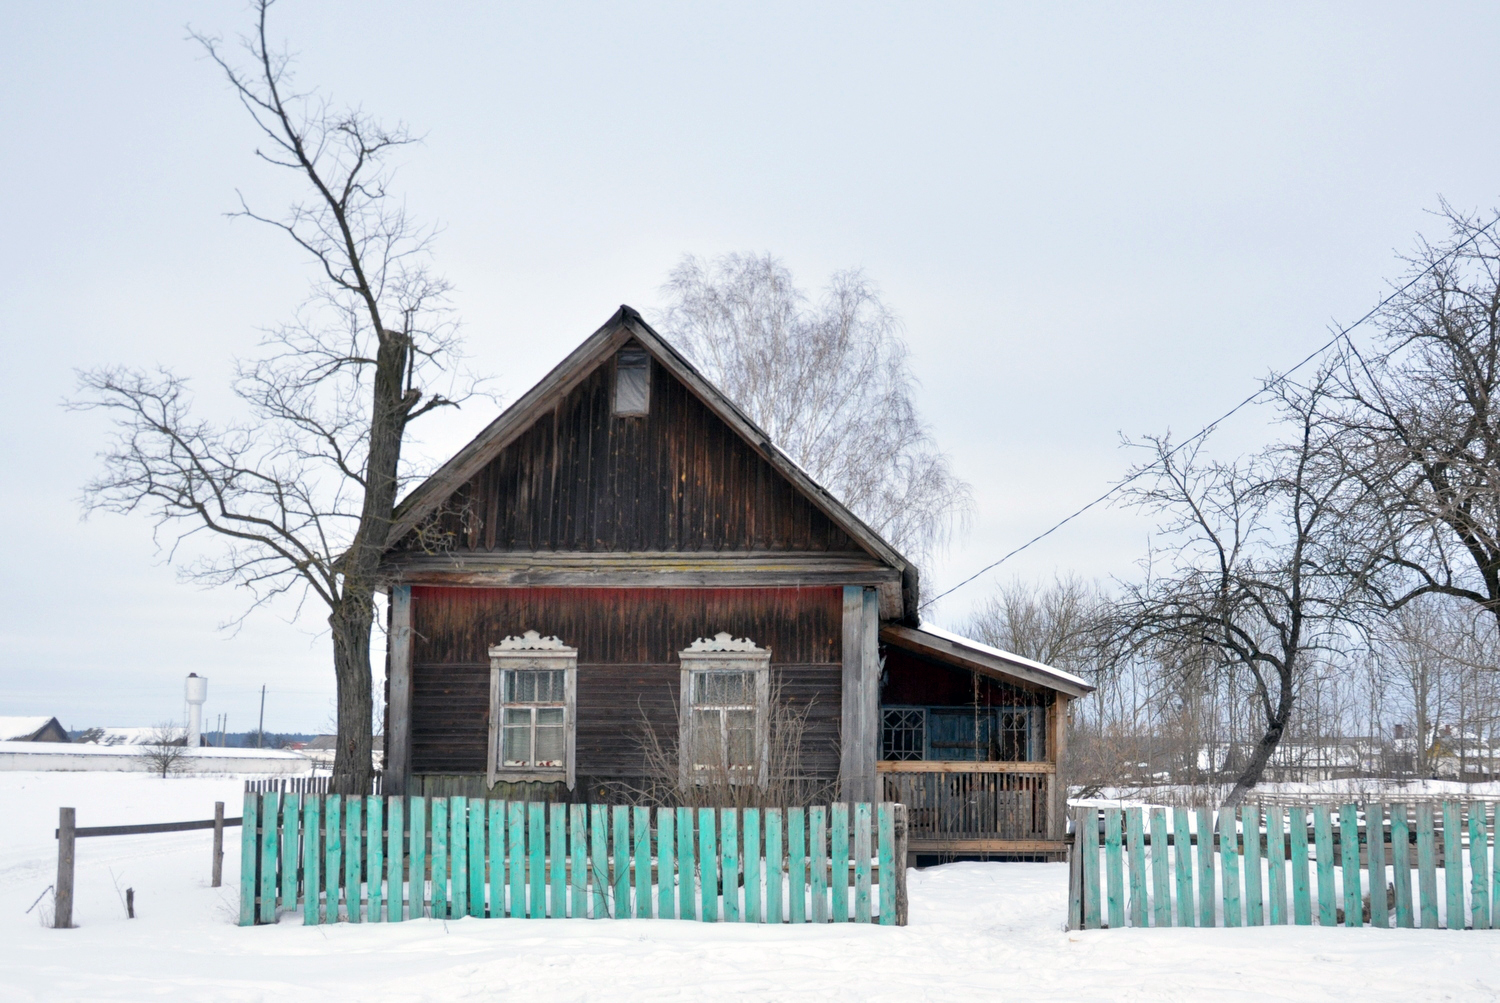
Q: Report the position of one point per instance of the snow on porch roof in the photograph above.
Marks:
(946, 645)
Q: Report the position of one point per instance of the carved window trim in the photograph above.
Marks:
(532, 651)
(722, 653)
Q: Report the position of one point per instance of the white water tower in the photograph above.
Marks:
(197, 692)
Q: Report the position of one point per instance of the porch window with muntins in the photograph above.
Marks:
(724, 718)
(963, 734)
(533, 697)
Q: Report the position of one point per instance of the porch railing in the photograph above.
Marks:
(975, 807)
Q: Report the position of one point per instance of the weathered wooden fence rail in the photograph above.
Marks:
(1352, 863)
(386, 859)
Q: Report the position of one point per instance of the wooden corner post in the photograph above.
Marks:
(62, 913)
(398, 669)
(860, 711)
(218, 862)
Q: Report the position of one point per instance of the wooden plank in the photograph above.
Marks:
(1323, 837)
(666, 870)
(729, 861)
(291, 847)
(1161, 874)
(578, 843)
(270, 824)
(375, 855)
(817, 863)
(312, 886)
(774, 911)
(750, 854)
(838, 861)
(458, 856)
(495, 856)
(1091, 898)
(963, 766)
(621, 837)
(1229, 866)
(1254, 902)
(796, 863)
(1135, 859)
(249, 855)
(217, 879)
(642, 834)
(1453, 864)
(831, 865)
(886, 829)
(1349, 864)
(395, 827)
(862, 851)
(536, 859)
(1301, 890)
(1375, 841)
(1479, 867)
(1114, 869)
(416, 895)
(1026, 846)
(1427, 866)
(477, 812)
(1401, 866)
(603, 906)
(1492, 814)
(1207, 914)
(333, 854)
(859, 728)
(1276, 865)
(557, 861)
(438, 812)
(687, 900)
(708, 867)
(903, 900)
(1182, 854)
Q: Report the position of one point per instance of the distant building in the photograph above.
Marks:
(32, 729)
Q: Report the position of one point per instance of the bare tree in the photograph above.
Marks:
(1244, 578)
(164, 749)
(299, 494)
(828, 382)
(1423, 421)
(1056, 624)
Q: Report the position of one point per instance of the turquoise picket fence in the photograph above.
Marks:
(386, 859)
(1347, 865)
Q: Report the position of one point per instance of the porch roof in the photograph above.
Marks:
(955, 649)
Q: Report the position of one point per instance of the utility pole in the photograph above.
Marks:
(260, 732)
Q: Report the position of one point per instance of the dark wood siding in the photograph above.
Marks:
(627, 641)
(581, 479)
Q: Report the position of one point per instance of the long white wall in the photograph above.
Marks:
(68, 757)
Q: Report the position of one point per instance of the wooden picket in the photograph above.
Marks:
(1348, 866)
(391, 859)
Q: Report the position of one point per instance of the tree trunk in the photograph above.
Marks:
(1275, 728)
(350, 623)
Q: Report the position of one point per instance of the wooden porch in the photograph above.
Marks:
(968, 807)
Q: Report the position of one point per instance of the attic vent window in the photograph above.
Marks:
(632, 382)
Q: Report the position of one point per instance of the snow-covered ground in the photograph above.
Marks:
(978, 932)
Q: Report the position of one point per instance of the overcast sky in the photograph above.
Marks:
(1093, 220)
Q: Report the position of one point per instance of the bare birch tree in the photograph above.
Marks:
(828, 382)
(298, 495)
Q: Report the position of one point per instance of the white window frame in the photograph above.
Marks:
(723, 653)
(532, 651)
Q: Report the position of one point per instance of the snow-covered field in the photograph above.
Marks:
(978, 931)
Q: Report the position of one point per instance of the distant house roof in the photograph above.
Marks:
(959, 650)
(323, 742)
(137, 736)
(31, 729)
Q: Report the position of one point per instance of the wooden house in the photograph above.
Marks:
(32, 729)
(623, 552)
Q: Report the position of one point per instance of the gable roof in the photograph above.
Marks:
(956, 649)
(625, 325)
(26, 729)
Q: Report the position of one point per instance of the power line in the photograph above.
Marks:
(1269, 385)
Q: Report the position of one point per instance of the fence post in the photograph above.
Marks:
(901, 837)
(218, 864)
(1075, 871)
(62, 914)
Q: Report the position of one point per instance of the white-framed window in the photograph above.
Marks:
(533, 704)
(724, 717)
